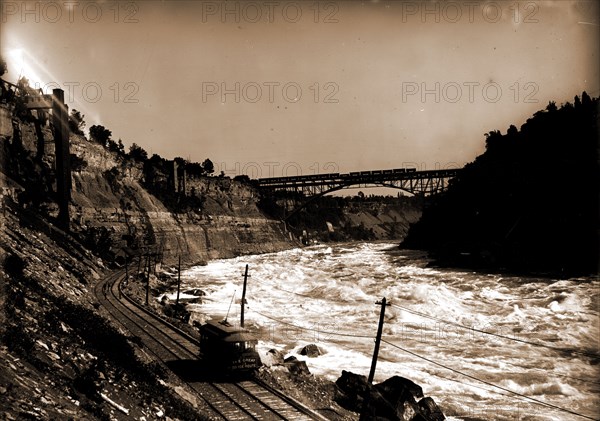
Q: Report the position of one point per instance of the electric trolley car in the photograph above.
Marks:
(228, 349)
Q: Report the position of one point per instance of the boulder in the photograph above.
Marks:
(311, 351)
(296, 367)
(397, 385)
(393, 399)
(272, 357)
(430, 410)
(351, 390)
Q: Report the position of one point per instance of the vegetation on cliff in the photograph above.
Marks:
(528, 204)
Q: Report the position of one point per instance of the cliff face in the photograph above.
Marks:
(110, 208)
(227, 225)
(354, 219)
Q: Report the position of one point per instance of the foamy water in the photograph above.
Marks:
(326, 295)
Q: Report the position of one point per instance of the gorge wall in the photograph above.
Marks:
(110, 207)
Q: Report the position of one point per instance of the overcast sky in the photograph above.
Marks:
(278, 86)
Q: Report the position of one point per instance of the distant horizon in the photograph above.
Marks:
(306, 87)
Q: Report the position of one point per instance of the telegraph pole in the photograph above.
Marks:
(377, 339)
(364, 416)
(178, 280)
(148, 280)
(244, 297)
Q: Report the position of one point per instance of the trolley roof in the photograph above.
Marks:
(228, 332)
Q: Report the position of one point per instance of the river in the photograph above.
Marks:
(445, 328)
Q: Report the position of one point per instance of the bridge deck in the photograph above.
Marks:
(352, 178)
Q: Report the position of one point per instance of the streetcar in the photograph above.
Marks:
(227, 349)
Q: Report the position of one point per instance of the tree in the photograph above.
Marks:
(180, 161)
(76, 122)
(138, 153)
(100, 134)
(208, 166)
(492, 139)
(194, 169)
(585, 99)
(121, 147)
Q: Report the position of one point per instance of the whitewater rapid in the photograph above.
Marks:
(536, 337)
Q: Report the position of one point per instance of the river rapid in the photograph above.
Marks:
(444, 329)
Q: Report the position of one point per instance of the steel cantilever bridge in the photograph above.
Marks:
(313, 186)
(407, 179)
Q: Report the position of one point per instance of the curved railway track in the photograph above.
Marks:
(239, 400)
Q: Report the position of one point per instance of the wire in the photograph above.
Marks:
(563, 350)
(311, 297)
(555, 348)
(488, 383)
(348, 335)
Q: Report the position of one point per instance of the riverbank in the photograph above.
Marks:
(315, 392)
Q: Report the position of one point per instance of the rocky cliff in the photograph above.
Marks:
(110, 208)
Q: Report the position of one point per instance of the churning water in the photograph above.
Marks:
(444, 329)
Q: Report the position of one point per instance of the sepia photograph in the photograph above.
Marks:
(300, 210)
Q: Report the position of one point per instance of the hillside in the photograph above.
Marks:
(113, 205)
(528, 204)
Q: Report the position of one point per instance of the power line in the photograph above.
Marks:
(441, 365)
(564, 350)
(490, 384)
(349, 335)
(555, 348)
(312, 297)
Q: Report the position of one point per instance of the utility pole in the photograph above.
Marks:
(377, 339)
(148, 280)
(178, 280)
(244, 297)
(364, 416)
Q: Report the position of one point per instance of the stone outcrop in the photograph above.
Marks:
(311, 351)
(296, 367)
(396, 398)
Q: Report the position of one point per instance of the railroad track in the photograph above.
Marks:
(236, 400)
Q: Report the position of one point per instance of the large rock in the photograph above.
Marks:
(397, 398)
(399, 386)
(352, 389)
(296, 367)
(311, 351)
(272, 357)
(394, 399)
(430, 410)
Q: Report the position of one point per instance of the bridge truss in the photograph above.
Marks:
(305, 188)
